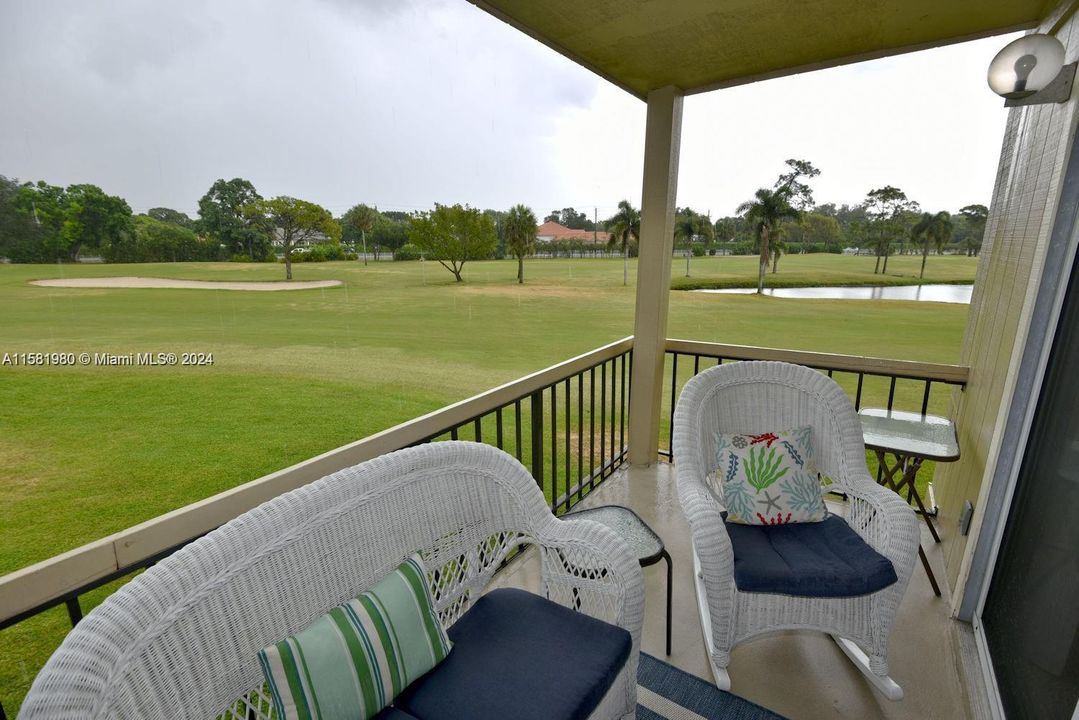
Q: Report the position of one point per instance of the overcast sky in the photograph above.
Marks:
(403, 103)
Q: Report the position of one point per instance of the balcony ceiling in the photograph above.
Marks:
(699, 45)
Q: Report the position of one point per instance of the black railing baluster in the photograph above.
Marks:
(453, 433)
(674, 397)
(622, 406)
(602, 416)
(498, 428)
(477, 429)
(891, 393)
(569, 430)
(696, 364)
(537, 437)
(591, 426)
(517, 426)
(554, 448)
(74, 610)
(580, 429)
(925, 397)
(858, 395)
(613, 426)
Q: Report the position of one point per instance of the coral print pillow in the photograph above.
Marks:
(769, 479)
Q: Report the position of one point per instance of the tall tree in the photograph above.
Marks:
(822, 230)
(498, 217)
(764, 213)
(296, 222)
(453, 235)
(387, 235)
(575, 220)
(93, 219)
(43, 208)
(931, 229)
(356, 223)
(622, 227)
(173, 217)
(799, 194)
(222, 217)
(520, 228)
(884, 206)
(688, 227)
(975, 217)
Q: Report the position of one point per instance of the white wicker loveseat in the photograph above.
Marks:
(180, 640)
(759, 397)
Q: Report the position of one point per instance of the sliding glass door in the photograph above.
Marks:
(1031, 612)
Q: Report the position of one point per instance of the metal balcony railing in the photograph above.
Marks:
(566, 424)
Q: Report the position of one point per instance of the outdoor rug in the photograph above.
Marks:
(666, 693)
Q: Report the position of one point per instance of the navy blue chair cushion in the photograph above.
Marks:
(392, 713)
(819, 559)
(518, 655)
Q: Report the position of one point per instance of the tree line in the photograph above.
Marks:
(46, 223)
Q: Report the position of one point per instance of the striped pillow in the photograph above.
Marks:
(354, 660)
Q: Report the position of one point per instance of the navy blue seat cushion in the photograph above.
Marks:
(818, 559)
(518, 655)
(392, 713)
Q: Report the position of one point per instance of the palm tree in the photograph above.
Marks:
(765, 213)
(624, 226)
(778, 242)
(686, 227)
(935, 229)
(690, 226)
(520, 234)
(361, 218)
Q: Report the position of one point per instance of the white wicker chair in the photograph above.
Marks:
(755, 397)
(180, 640)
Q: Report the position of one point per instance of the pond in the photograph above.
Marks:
(928, 293)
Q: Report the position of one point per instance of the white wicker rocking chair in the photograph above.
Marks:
(755, 397)
(181, 639)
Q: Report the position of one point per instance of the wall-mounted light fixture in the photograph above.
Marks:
(1031, 71)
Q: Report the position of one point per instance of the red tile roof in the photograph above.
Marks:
(555, 231)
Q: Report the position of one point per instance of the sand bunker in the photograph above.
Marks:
(149, 282)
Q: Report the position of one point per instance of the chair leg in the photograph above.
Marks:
(888, 687)
(722, 677)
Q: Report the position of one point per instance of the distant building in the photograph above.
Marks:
(316, 238)
(553, 231)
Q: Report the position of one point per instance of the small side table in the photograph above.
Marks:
(641, 539)
(911, 439)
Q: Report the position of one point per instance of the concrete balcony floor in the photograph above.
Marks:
(795, 673)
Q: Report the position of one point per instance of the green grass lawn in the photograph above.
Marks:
(820, 269)
(88, 451)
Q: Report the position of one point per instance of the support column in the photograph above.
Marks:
(662, 138)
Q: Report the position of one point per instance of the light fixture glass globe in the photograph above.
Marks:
(1026, 66)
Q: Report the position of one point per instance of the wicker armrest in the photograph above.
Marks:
(587, 567)
(885, 521)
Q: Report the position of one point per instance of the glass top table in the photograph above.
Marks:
(926, 436)
(911, 439)
(642, 540)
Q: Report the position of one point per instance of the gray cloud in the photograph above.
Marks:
(400, 103)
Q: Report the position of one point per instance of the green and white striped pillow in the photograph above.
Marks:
(354, 660)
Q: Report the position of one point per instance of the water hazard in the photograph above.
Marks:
(927, 293)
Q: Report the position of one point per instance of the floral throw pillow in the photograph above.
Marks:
(769, 479)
